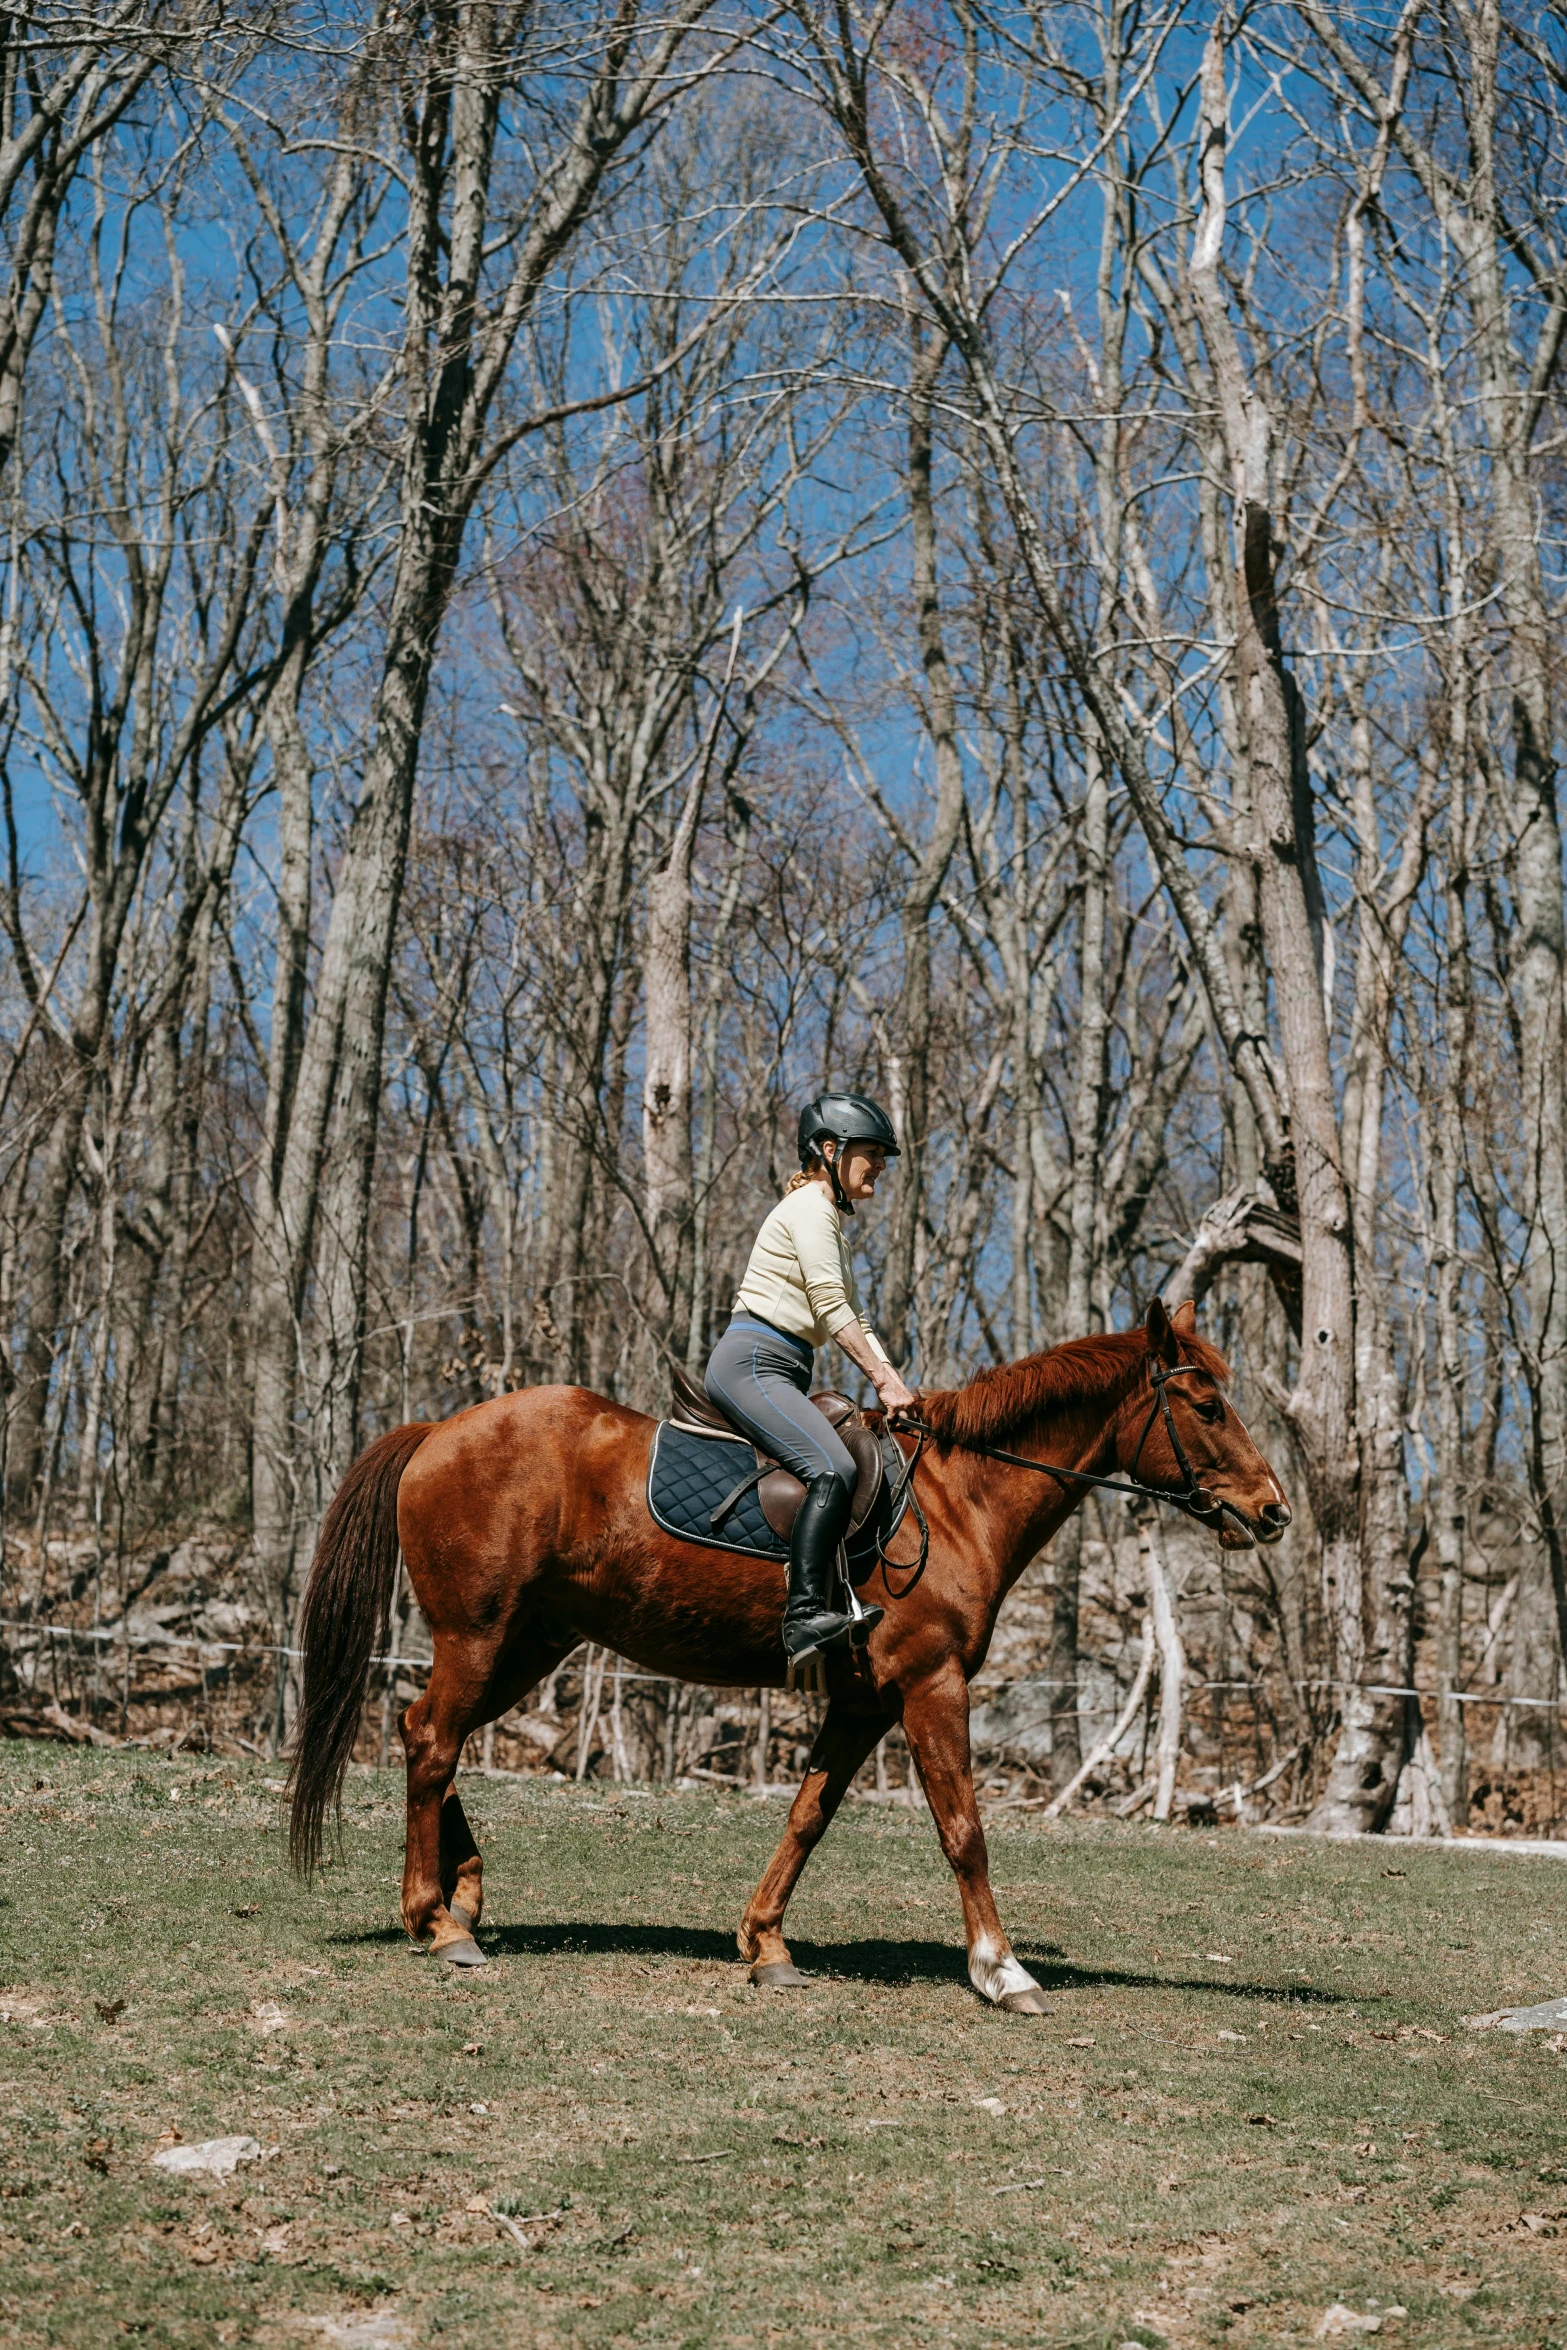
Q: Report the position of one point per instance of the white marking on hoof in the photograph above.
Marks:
(996, 1974)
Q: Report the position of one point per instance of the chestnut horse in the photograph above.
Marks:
(525, 1529)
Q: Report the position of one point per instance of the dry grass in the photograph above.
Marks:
(1253, 2099)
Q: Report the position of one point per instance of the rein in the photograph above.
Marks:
(1193, 1498)
(914, 1567)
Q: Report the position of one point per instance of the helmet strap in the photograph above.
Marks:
(844, 1204)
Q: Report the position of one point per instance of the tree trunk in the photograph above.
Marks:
(1322, 1408)
(285, 1193)
(285, 1220)
(1450, 1500)
(1087, 1141)
(1510, 408)
(45, 1284)
(351, 1011)
(1092, 1058)
(707, 1142)
(666, 1087)
(666, 1084)
(941, 721)
(1172, 1662)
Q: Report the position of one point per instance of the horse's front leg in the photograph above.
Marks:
(935, 1722)
(842, 1744)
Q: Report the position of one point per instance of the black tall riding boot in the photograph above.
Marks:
(812, 1620)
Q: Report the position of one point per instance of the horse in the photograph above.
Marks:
(524, 1527)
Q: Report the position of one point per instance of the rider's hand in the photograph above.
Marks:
(891, 1393)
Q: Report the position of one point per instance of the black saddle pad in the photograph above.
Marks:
(689, 1475)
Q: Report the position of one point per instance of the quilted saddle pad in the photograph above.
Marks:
(689, 1475)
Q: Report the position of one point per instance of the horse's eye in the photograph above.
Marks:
(1212, 1412)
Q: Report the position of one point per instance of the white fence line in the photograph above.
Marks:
(114, 1636)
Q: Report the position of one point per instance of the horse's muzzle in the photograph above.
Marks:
(1240, 1532)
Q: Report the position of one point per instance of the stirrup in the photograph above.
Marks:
(806, 1674)
(806, 1668)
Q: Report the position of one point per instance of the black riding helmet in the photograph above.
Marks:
(843, 1118)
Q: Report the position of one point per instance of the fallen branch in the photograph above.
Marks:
(1237, 1794)
(1130, 1805)
(530, 2219)
(52, 1721)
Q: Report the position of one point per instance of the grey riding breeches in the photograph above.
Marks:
(761, 1377)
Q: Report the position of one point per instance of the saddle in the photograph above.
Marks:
(779, 1493)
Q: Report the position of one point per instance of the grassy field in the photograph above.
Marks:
(1253, 2098)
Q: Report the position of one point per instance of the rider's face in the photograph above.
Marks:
(859, 1167)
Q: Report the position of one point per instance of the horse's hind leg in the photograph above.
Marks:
(462, 1870)
(443, 1875)
(434, 1728)
(935, 1722)
(842, 1744)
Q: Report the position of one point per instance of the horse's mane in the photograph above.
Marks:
(1006, 1403)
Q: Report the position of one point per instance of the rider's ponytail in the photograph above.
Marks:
(795, 1182)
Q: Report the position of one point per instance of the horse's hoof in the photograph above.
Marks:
(778, 1974)
(460, 1916)
(1030, 2002)
(464, 1951)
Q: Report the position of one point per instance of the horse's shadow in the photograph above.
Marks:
(877, 1959)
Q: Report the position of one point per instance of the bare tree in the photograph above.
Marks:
(103, 699)
(1135, 761)
(470, 277)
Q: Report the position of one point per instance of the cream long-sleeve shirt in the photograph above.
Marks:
(799, 1277)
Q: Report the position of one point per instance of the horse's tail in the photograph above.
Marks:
(344, 1620)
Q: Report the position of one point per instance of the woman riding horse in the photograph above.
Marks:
(524, 1527)
(798, 1293)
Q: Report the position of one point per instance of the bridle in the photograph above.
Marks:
(1192, 1497)
(1195, 1498)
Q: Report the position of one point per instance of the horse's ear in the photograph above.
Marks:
(1183, 1320)
(1161, 1337)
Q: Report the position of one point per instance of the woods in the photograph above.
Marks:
(571, 576)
